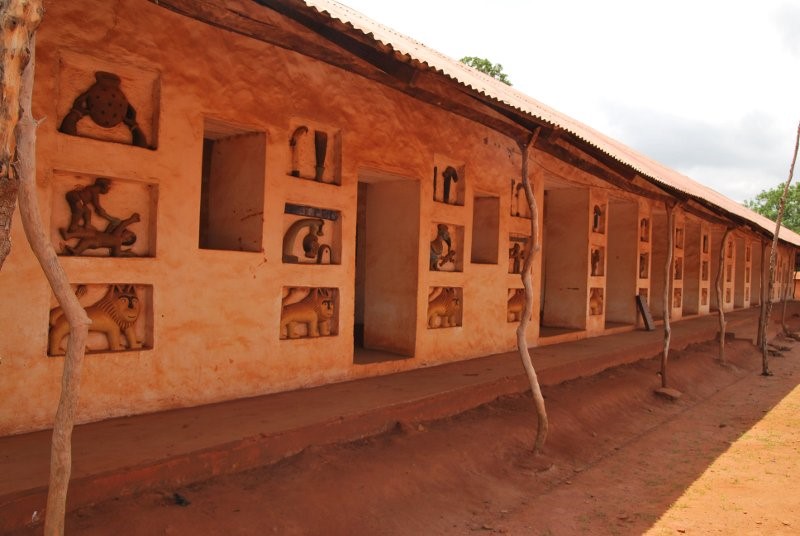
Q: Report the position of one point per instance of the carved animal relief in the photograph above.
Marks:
(114, 315)
(596, 302)
(516, 304)
(444, 307)
(106, 105)
(309, 316)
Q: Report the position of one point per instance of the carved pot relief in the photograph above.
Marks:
(311, 235)
(596, 301)
(121, 319)
(448, 181)
(107, 101)
(102, 217)
(309, 312)
(518, 245)
(516, 304)
(444, 307)
(315, 152)
(446, 248)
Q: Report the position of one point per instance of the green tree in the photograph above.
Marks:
(766, 203)
(495, 70)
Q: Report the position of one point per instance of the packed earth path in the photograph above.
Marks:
(619, 460)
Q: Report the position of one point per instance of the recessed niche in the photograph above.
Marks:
(705, 243)
(644, 265)
(102, 216)
(232, 188)
(596, 301)
(309, 312)
(730, 250)
(448, 181)
(644, 230)
(728, 273)
(747, 294)
(679, 238)
(597, 261)
(444, 307)
(311, 235)
(519, 201)
(446, 252)
(704, 296)
(485, 229)
(107, 101)
(727, 295)
(315, 152)
(121, 315)
(516, 304)
(677, 298)
(747, 254)
(704, 271)
(678, 269)
(747, 274)
(518, 244)
(599, 219)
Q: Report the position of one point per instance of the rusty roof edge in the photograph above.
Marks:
(651, 170)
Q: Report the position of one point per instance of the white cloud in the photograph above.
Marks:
(708, 88)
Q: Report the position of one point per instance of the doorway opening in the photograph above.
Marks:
(387, 266)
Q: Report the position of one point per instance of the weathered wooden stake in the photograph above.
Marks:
(772, 260)
(667, 289)
(718, 288)
(527, 313)
(61, 448)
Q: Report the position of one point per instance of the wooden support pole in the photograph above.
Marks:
(718, 288)
(527, 313)
(667, 291)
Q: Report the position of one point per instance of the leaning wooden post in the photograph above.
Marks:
(527, 313)
(667, 286)
(772, 260)
(61, 448)
(718, 288)
(788, 290)
(762, 294)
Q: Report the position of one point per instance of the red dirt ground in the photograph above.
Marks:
(619, 460)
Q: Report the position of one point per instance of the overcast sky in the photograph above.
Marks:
(710, 88)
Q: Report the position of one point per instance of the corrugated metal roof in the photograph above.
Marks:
(489, 87)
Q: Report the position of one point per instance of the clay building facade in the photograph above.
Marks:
(263, 198)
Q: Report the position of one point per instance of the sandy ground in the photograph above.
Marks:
(619, 460)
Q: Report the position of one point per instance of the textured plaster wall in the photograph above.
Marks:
(215, 327)
(567, 240)
(623, 239)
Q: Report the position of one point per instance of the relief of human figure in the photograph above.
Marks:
(85, 200)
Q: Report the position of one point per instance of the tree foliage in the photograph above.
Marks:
(495, 70)
(767, 202)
